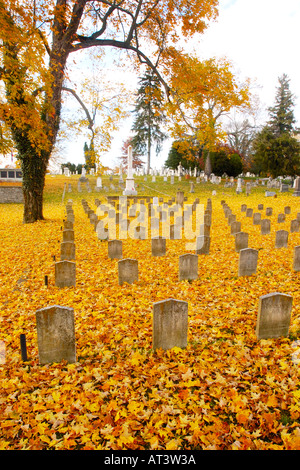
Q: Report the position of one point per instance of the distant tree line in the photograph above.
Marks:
(270, 150)
(224, 160)
(88, 152)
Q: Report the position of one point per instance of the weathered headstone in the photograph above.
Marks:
(274, 315)
(68, 225)
(260, 207)
(296, 260)
(297, 187)
(204, 229)
(180, 197)
(265, 226)
(256, 218)
(175, 231)
(284, 188)
(158, 246)
(287, 209)
(231, 219)
(281, 240)
(115, 249)
(65, 273)
(170, 324)
(249, 212)
(67, 251)
(202, 245)
(188, 267)
(269, 211)
(280, 218)
(68, 235)
(235, 227)
(247, 262)
(243, 207)
(295, 225)
(241, 241)
(128, 271)
(56, 334)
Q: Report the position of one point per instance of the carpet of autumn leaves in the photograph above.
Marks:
(226, 390)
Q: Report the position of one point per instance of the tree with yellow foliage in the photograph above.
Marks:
(37, 39)
(203, 91)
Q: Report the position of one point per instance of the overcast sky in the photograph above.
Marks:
(261, 38)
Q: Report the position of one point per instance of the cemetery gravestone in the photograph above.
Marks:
(205, 230)
(249, 212)
(170, 324)
(265, 225)
(281, 239)
(269, 211)
(274, 314)
(284, 188)
(202, 245)
(241, 241)
(247, 262)
(180, 197)
(231, 219)
(280, 218)
(188, 267)
(56, 334)
(158, 246)
(67, 251)
(256, 218)
(297, 187)
(65, 274)
(68, 225)
(68, 235)
(128, 271)
(296, 261)
(115, 249)
(175, 231)
(295, 224)
(235, 227)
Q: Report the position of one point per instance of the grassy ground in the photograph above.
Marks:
(226, 390)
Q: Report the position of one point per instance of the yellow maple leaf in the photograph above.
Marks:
(272, 401)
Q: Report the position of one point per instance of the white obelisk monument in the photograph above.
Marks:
(129, 188)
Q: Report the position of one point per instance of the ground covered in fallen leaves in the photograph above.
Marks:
(226, 390)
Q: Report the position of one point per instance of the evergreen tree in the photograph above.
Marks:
(281, 114)
(187, 157)
(149, 117)
(276, 151)
(89, 156)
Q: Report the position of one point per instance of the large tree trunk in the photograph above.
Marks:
(208, 169)
(34, 170)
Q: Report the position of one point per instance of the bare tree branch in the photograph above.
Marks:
(90, 120)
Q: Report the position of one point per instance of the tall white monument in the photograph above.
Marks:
(129, 188)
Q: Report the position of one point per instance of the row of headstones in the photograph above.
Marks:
(203, 239)
(56, 326)
(128, 268)
(281, 235)
(248, 257)
(266, 223)
(65, 269)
